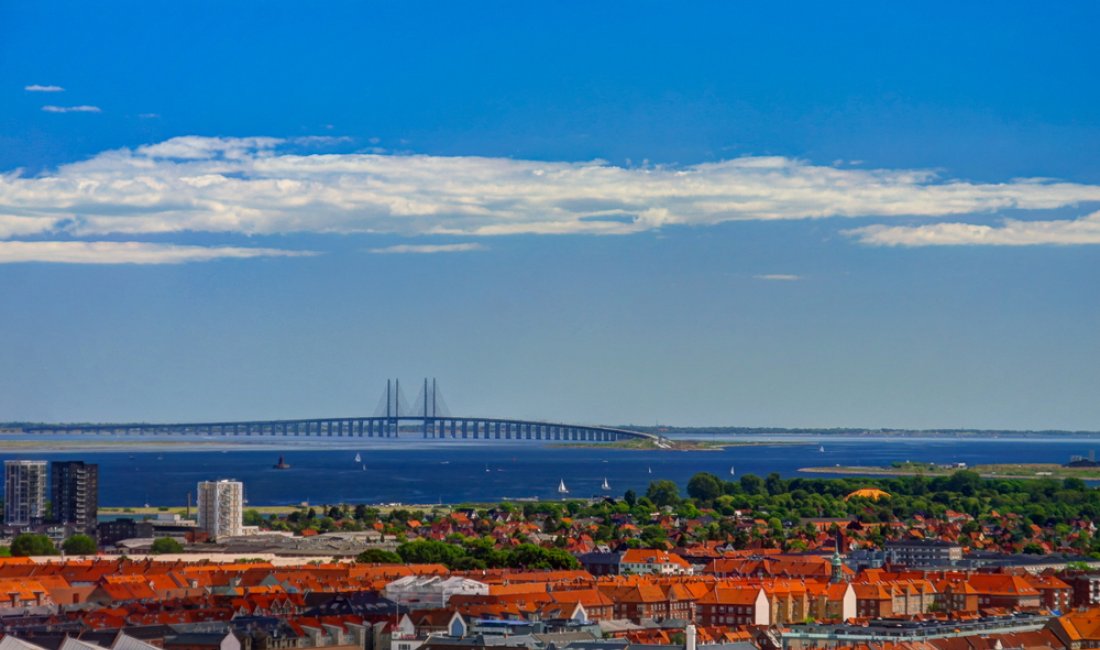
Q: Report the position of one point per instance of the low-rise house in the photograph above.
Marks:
(733, 606)
(1076, 630)
(1006, 591)
(831, 601)
(600, 563)
(597, 605)
(637, 600)
(638, 561)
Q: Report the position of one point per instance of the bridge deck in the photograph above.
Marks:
(458, 428)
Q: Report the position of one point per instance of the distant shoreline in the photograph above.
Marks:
(644, 444)
(1006, 470)
(863, 433)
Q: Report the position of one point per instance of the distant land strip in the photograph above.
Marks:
(853, 431)
(1007, 471)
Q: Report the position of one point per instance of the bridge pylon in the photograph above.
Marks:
(429, 407)
(392, 407)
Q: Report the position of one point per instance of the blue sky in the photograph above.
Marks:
(703, 213)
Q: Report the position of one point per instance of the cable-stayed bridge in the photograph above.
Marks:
(428, 417)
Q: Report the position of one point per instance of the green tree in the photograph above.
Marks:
(28, 544)
(663, 493)
(165, 545)
(1075, 484)
(704, 487)
(429, 551)
(752, 484)
(79, 545)
(529, 556)
(378, 556)
(654, 536)
(252, 517)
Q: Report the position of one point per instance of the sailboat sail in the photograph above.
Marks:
(561, 487)
(606, 485)
(358, 458)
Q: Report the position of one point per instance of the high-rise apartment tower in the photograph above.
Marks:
(221, 508)
(74, 493)
(24, 492)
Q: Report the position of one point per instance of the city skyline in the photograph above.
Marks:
(740, 216)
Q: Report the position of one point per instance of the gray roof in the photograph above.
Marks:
(195, 638)
(11, 643)
(127, 642)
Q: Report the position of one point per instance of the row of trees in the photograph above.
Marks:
(1042, 502)
(466, 553)
(28, 544)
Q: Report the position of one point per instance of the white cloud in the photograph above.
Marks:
(104, 252)
(149, 116)
(778, 277)
(262, 186)
(72, 109)
(16, 225)
(429, 248)
(1012, 232)
(37, 88)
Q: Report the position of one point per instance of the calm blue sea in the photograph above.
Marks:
(410, 471)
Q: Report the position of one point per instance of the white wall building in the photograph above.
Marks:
(432, 592)
(221, 508)
(25, 483)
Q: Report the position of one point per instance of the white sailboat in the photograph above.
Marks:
(732, 472)
(821, 449)
(358, 458)
(561, 487)
(606, 485)
(649, 470)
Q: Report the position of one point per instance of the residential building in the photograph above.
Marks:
(601, 564)
(733, 606)
(923, 553)
(1054, 594)
(642, 561)
(24, 492)
(74, 493)
(221, 508)
(1086, 589)
(1005, 591)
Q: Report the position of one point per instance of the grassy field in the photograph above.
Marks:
(1021, 471)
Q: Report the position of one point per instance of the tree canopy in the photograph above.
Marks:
(79, 544)
(27, 544)
(166, 545)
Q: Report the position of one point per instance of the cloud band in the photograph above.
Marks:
(255, 186)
